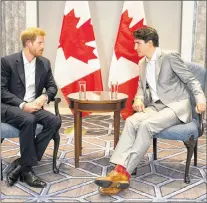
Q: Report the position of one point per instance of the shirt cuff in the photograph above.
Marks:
(21, 106)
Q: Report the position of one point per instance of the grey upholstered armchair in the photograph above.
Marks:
(8, 131)
(189, 132)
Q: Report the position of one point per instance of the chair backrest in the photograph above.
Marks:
(200, 73)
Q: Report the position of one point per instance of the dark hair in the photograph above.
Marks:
(146, 34)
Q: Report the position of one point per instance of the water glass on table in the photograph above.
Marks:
(82, 89)
(114, 90)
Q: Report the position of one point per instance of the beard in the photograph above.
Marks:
(36, 52)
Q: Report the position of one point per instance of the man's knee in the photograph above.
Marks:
(131, 122)
(55, 122)
(146, 125)
(30, 119)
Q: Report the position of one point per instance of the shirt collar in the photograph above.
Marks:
(153, 56)
(25, 59)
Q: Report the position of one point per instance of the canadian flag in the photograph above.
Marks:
(125, 59)
(77, 57)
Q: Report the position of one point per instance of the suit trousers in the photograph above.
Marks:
(32, 148)
(138, 132)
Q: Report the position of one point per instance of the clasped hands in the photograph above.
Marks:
(36, 105)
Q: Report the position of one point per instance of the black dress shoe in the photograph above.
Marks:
(13, 172)
(32, 180)
(13, 176)
(13, 165)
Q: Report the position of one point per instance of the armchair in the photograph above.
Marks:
(8, 131)
(189, 132)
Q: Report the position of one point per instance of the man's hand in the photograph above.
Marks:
(40, 101)
(200, 108)
(138, 105)
(30, 107)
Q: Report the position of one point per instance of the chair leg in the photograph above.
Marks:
(195, 153)
(134, 173)
(1, 171)
(56, 147)
(190, 148)
(2, 139)
(155, 148)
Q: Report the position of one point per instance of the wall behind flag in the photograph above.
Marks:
(106, 16)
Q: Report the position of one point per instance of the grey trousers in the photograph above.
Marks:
(138, 132)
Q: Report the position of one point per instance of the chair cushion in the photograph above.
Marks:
(180, 132)
(8, 131)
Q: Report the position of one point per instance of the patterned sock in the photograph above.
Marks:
(122, 169)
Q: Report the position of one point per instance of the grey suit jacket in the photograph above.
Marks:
(172, 76)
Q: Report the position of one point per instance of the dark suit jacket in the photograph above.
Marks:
(13, 80)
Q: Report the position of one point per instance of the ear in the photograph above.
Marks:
(28, 43)
(150, 43)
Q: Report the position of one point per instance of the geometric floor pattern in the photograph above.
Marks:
(156, 181)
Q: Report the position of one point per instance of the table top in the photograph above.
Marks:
(97, 97)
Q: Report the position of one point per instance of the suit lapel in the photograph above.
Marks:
(20, 68)
(143, 73)
(38, 72)
(158, 63)
(143, 66)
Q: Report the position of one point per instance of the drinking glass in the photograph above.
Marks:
(82, 89)
(114, 89)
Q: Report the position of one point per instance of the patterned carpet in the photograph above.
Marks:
(156, 181)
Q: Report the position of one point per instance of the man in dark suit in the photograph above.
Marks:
(24, 75)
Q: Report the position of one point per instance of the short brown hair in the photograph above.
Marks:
(31, 34)
(146, 34)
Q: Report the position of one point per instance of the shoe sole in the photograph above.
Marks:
(107, 184)
(104, 184)
(120, 185)
(31, 185)
(107, 194)
(35, 186)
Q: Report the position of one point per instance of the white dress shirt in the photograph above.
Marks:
(151, 77)
(29, 70)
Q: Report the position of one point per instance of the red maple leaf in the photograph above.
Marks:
(73, 40)
(124, 46)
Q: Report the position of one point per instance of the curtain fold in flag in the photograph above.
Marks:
(124, 64)
(77, 57)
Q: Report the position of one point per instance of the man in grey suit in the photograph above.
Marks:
(166, 104)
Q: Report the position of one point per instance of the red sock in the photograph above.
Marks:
(122, 169)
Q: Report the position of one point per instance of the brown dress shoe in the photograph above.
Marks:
(109, 191)
(113, 180)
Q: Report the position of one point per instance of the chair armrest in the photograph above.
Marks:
(56, 101)
(201, 127)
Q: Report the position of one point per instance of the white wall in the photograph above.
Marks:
(187, 30)
(31, 13)
(164, 16)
